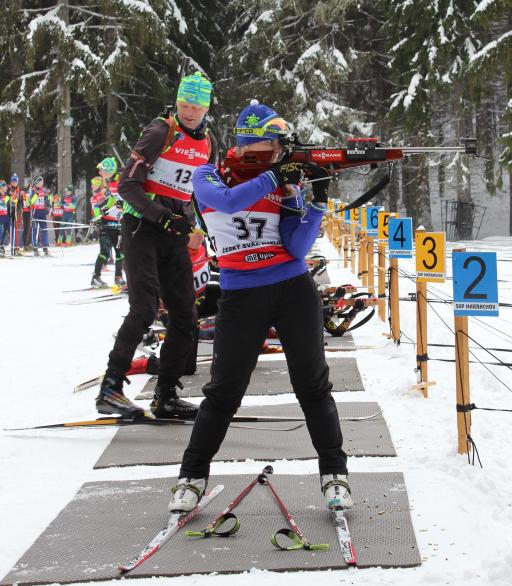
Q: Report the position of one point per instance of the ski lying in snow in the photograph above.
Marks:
(343, 534)
(91, 288)
(277, 349)
(174, 524)
(89, 384)
(144, 420)
(99, 299)
(93, 382)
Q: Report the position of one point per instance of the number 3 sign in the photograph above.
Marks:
(430, 257)
(475, 283)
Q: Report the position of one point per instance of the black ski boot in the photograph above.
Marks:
(46, 252)
(111, 399)
(2, 251)
(167, 405)
(36, 252)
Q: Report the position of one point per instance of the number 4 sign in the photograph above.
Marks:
(430, 257)
(475, 283)
(400, 238)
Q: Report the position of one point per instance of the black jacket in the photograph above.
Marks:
(145, 153)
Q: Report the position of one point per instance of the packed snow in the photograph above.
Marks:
(461, 513)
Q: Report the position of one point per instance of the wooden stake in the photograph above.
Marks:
(421, 336)
(394, 303)
(371, 265)
(363, 255)
(353, 248)
(329, 226)
(345, 248)
(462, 378)
(382, 280)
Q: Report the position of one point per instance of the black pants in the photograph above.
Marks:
(109, 238)
(241, 326)
(26, 229)
(157, 265)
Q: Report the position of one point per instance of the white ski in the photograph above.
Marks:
(342, 532)
(174, 524)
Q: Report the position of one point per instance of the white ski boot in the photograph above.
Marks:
(187, 493)
(337, 491)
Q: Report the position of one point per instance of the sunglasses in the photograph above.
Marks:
(275, 126)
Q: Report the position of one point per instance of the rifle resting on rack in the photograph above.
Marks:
(359, 152)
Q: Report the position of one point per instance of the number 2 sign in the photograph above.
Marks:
(475, 283)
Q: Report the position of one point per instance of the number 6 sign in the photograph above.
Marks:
(475, 283)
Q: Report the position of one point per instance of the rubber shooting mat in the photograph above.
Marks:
(108, 523)
(270, 377)
(154, 445)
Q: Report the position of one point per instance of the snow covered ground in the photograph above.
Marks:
(462, 514)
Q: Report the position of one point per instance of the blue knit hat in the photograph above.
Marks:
(258, 122)
(195, 89)
(14, 178)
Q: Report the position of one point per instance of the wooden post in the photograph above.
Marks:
(353, 248)
(339, 240)
(421, 336)
(394, 304)
(370, 265)
(462, 378)
(345, 248)
(359, 257)
(382, 280)
(363, 255)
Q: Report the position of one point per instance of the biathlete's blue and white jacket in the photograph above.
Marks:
(258, 233)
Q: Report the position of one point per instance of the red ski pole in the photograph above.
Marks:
(295, 534)
(226, 515)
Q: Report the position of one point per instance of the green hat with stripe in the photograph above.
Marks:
(195, 89)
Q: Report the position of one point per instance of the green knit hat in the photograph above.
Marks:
(195, 89)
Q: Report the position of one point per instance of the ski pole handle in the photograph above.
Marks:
(297, 541)
(225, 515)
(263, 477)
(214, 529)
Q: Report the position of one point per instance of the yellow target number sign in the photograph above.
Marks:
(354, 216)
(430, 257)
(382, 224)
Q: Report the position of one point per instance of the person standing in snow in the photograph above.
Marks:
(158, 218)
(4, 216)
(57, 213)
(39, 201)
(27, 218)
(69, 202)
(13, 191)
(107, 212)
(262, 234)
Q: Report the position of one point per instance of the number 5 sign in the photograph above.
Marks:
(383, 222)
(430, 257)
(475, 283)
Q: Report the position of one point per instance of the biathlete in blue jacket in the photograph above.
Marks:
(261, 234)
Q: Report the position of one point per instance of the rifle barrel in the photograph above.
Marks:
(449, 149)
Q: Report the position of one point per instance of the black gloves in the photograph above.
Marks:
(287, 172)
(322, 178)
(173, 224)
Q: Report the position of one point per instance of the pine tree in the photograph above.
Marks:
(494, 62)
